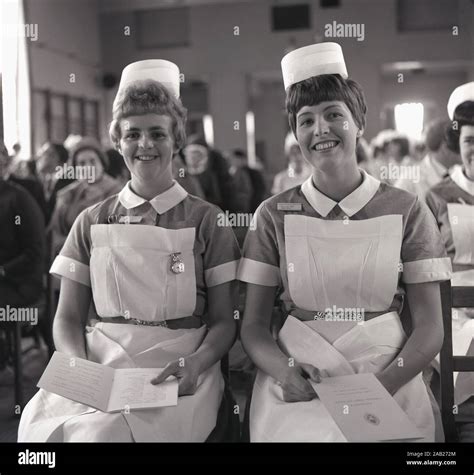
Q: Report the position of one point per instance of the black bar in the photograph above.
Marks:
(463, 297)
(463, 363)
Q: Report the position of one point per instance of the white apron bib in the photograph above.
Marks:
(461, 219)
(131, 277)
(349, 264)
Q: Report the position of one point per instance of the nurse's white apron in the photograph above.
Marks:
(131, 277)
(350, 265)
(461, 219)
(366, 348)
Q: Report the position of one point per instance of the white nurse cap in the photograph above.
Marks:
(313, 60)
(160, 70)
(459, 95)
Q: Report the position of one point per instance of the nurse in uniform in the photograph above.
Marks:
(452, 203)
(341, 252)
(158, 270)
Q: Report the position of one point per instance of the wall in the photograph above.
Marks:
(68, 43)
(227, 61)
(430, 89)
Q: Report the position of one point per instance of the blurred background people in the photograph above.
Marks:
(249, 181)
(22, 242)
(298, 170)
(116, 166)
(88, 162)
(363, 155)
(189, 182)
(23, 173)
(436, 164)
(212, 171)
(381, 159)
(51, 156)
(239, 171)
(398, 150)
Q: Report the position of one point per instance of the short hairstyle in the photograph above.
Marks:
(59, 149)
(435, 134)
(239, 153)
(197, 139)
(326, 87)
(116, 163)
(463, 115)
(148, 97)
(102, 156)
(404, 145)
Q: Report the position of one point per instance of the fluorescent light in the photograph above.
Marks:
(208, 127)
(250, 129)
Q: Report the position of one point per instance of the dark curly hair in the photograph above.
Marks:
(100, 154)
(463, 115)
(326, 87)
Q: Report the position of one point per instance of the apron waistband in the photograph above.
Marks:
(315, 315)
(173, 324)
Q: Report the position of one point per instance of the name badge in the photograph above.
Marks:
(130, 219)
(289, 206)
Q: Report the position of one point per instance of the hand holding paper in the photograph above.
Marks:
(364, 410)
(106, 388)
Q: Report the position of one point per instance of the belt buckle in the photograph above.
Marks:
(320, 315)
(137, 321)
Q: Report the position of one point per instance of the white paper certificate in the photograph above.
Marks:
(106, 388)
(364, 410)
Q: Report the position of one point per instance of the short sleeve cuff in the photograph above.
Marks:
(256, 272)
(66, 267)
(427, 270)
(221, 274)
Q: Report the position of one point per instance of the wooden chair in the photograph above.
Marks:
(452, 297)
(14, 331)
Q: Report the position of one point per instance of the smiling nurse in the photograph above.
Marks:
(158, 270)
(340, 246)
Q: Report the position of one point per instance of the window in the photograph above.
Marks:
(15, 77)
(294, 17)
(409, 119)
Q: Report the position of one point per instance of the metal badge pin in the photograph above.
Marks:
(176, 263)
(112, 219)
(130, 219)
